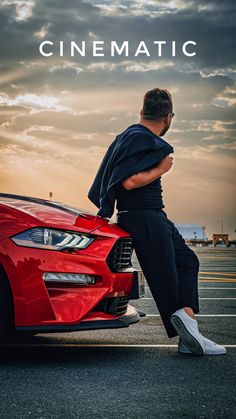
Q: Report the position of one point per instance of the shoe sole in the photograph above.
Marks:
(185, 351)
(189, 340)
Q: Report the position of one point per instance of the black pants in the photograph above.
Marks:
(169, 265)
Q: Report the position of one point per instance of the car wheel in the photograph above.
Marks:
(6, 307)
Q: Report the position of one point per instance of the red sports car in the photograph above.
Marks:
(63, 269)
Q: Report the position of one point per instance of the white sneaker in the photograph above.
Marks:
(187, 329)
(182, 348)
(210, 347)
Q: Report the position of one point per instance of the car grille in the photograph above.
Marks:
(116, 306)
(120, 255)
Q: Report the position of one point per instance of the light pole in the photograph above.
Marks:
(222, 225)
(203, 231)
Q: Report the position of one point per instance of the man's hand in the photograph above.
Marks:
(147, 176)
(165, 164)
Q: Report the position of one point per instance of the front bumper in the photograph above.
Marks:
(58, 306)
(130, 317)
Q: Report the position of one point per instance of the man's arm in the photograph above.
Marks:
(147, 176)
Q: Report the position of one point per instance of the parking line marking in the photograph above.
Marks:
(201, 298)
(211, 288)
(199, 315)
(94, 345)
(210, 279)
(217, 298)
(217, 288)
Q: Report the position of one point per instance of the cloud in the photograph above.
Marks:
(35, 103)
(206, 152)
(153, 8)
(42, 32)
(127, 66)
(227, 97)
(23, 8)
(204, 126)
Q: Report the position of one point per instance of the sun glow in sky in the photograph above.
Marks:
(59, 114)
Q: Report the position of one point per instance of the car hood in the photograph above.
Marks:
(36, 211)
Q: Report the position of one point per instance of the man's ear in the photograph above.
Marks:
(165, 119)
(141, 112)
(168, 119)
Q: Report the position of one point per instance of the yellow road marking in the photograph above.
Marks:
(217, 273)
(210, 279)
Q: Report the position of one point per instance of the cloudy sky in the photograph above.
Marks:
(58, 114)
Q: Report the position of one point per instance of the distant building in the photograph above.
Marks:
(192, 231)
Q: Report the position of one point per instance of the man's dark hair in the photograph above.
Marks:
(157, 104)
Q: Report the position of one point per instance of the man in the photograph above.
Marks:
(131, 173)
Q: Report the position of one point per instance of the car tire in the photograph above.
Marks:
(6, 307)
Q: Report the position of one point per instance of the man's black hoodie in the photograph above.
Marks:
(134, 150)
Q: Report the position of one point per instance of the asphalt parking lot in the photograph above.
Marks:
(134, 372)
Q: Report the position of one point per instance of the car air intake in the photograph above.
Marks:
(120, 255)
(116, 306)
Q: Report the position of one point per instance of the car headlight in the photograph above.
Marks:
(47, 238)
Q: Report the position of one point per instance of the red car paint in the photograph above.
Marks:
(48, 307)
